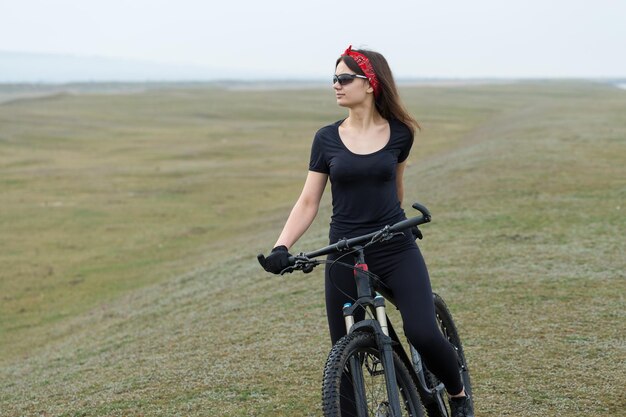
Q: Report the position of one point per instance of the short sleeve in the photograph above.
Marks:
(405, 145)
(318, 161)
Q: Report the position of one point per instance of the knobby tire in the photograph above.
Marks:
(363, 346)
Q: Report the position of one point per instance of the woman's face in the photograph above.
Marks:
(354, 93)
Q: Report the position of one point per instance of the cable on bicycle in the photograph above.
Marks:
(375, 278)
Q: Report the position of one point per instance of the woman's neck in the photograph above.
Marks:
(363, 117)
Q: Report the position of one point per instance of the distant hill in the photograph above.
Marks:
(26, 67)
(44, 68)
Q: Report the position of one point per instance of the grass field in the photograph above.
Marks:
(130, 221)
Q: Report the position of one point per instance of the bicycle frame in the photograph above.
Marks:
(388, 341)
(368, 299)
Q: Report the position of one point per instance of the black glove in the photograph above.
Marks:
(277, 260)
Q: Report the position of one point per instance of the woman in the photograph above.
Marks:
(365, 156)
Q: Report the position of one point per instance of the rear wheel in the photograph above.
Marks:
(356, 357)
(448, 328)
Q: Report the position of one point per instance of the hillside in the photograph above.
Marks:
(131, 221)
(33, 67)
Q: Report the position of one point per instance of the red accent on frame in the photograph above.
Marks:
(362, 267)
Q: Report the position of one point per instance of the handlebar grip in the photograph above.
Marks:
(422, 209)
(403, 225)
(415, 221)
(261, 258)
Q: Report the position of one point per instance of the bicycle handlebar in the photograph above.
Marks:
(345, 244)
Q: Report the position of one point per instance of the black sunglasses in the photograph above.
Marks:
(344, 79)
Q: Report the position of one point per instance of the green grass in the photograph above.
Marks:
(130, 224)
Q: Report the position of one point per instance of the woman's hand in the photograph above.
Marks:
(277, 260)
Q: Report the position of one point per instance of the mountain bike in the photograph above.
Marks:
(369, 367)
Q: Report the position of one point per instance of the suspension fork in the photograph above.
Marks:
(381, 332)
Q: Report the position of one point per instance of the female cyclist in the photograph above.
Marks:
(364, 155)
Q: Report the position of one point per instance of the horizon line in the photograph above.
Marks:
(316, 80)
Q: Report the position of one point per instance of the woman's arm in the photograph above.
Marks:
(400, 180)
(305, 209)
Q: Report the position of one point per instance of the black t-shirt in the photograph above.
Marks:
(364, 190)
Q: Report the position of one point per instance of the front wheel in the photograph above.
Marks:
(358, 351)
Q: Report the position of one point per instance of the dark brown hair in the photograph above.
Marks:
(388, 102)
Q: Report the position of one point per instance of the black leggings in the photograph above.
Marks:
(400, 266)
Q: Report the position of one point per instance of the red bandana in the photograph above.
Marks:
(364, 63)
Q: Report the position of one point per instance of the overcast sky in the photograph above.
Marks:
(437, 38)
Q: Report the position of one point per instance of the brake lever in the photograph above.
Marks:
(287, 270)
(389, 236)
(380, 236)
(303, 264)
(417, 233)
(309, 266)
